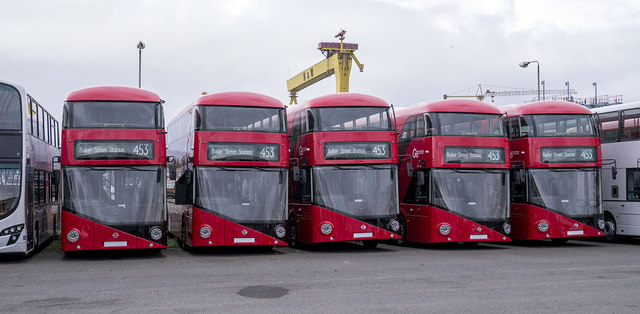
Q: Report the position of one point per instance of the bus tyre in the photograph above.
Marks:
(403, 231)
(370, 244)
(293, 232)
(183, 233)
(36, 238)
(609, 229)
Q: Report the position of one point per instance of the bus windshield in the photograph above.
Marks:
(9, 108)
(328, 119)
(477, 194)
(112, 115)
(562, 125)
(10, 180)
(467, 124)
(115, 196)
(572, 192)
(242, 194)
(246, 119)
(366, 191)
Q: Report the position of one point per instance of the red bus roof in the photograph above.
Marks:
(113, 93)
(451, 105)
(341, 100)
(547, 107)
(245, 99)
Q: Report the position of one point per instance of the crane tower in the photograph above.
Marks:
(338, 58)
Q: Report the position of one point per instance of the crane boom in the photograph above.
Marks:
(480, 95)
(338, 61)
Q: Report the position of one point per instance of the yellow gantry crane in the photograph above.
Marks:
(337, 61)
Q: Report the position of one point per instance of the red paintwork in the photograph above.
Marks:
(113, 93)
(239, 99)
(69, 136)
(224, 231)
(201, 138)
(428, 152)
(525, 218)
(423, 222)
(309, 218)
(308, 150)
(93, 235)
(546, 107)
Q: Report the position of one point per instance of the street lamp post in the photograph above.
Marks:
(543, 97)
(525, 64)
(568, 94)
(595, 100)
(140, 47)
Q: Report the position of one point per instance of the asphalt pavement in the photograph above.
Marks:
(534, 277)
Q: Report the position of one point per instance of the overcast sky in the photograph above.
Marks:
(413, 51)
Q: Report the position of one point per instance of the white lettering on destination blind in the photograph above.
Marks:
(100, 150)
(559, 155)
(463, 155)
(342, 150)
(231, 151)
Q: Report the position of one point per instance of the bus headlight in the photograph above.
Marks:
(205, 232)
(156, 233)
(543, 226)
(280, 231)
(394, 225)
(506, 227)
(326, 228)
(73, 236)
(601, 224)
(444, 229)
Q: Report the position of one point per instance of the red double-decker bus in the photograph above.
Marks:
(113, 170)
(228, 182)
(556, 173)
(454, 174)
(343, 170)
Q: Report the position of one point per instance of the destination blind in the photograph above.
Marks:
(357, 150)
(474, 155)
(107, 150)
(243, 151)
(568, 154)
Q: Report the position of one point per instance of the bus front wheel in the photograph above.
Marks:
(609, 229)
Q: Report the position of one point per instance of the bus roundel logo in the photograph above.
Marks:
(363, 227)
(115, 235)
(244, 232)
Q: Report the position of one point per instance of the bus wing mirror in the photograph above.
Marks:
(55, 177)
(614, 172)
(296, 174)
(172, 167)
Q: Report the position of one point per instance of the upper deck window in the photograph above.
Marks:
(467, 124)
(112, 115)
(553, 125)
(332, 119)
(240, 119)
(9, 108)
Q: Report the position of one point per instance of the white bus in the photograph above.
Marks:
(620, 135)
(29, 140)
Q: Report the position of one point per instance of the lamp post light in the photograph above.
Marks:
(568, 94)
(525, 64)
(543, 98)
(140, 47)
(595, 100)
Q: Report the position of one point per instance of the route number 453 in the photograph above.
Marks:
(141, 150)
